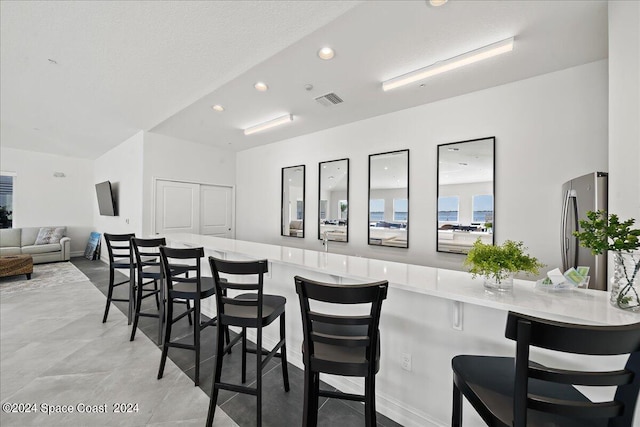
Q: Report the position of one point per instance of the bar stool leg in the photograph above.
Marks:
(216, 376)
(109, 295)
(196, 337)
(258, 375)
(167, 336)
(136, 316)
(283, 353)
(244, 355)
(370, 401)
(456, 418)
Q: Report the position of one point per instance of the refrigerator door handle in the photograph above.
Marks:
(574, 199)
(564, 240)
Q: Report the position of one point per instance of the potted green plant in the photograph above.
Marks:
(601, 233)
(498, 264)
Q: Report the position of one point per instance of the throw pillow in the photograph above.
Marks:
(48, 235)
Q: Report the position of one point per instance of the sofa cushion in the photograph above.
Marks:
(10, 237)
(11, 250)
(41, 249)
(48, 235)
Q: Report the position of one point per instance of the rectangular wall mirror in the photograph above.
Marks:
(389, 199)
(333, 200)
(292, 224)
(466, 189)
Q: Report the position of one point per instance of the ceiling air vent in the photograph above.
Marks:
(329, 99)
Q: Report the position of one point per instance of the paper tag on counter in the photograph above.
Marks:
(573, 276)
(555, 276)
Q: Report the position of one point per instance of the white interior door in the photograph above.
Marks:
(177, 207)
(216, 211)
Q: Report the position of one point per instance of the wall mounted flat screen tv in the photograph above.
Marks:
(106, 202)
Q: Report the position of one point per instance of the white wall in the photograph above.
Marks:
(548, 130)
(122, 166)
(624, 109)
(40, 199)
(176, 159)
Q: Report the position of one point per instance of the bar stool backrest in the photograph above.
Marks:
(147, 254)
(345, 331)
(530, 331)
(119, 249)
(170, 269)
(252, 281)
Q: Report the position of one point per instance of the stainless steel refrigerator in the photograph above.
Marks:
(582, 194)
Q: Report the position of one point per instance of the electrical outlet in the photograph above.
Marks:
(406, 361)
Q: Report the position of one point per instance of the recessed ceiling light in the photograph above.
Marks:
(218, 107)
(52, 61)
(326, 53)
(437, 3)
(260, 86)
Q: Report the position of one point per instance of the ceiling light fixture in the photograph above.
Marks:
(260, 86)
(437, 3)
(268, 125)
(450, 64)
(326, 53)
(218, 108)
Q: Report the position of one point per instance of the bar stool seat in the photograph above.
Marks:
(189, 291)
(272, 307)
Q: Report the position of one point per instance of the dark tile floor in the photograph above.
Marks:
(278, 408)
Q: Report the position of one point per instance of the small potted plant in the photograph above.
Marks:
(498, 264)
(602, 233)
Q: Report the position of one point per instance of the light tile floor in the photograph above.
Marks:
(54, 350)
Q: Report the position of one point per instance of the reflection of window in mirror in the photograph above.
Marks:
(400, 209)
(376, 210)
(483, 208)
(448, 209)
(323, 209)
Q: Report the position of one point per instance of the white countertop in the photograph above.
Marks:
(579, 305)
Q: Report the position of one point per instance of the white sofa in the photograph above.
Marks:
(16, 241)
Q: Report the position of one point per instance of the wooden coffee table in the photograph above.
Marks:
(14, 265)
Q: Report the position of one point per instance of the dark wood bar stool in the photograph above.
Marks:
(248, 310)
(519, 392)
(148, 266)
(194, 288)
(347, 345)
(120, 258)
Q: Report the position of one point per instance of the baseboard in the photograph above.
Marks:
(77, 254)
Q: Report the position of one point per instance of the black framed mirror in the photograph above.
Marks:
(293, 203)
(466, 194)
(389, 199)
(333, 200)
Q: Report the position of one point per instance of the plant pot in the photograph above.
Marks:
(625, 289)
(504, 285)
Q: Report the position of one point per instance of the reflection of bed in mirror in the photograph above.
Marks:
(459, 238)
(383, 233)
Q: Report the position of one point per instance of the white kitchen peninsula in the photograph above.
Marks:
(430, 316)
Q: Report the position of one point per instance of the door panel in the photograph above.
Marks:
(177, 207)
(217, 211)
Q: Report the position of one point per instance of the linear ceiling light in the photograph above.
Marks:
(268, 125)
(450, 64)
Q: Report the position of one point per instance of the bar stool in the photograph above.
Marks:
(195, 288)
(249, 310)
(347, 345)
(507, 391)
(120, 259)
(147, 261)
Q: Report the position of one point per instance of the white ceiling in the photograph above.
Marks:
(160, 66)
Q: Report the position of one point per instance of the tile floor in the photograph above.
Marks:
(91, 340)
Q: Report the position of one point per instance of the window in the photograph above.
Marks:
(400, 209)
(300, 209)
(6, 201)
(344, 209)
(323, 209)
(376, 210)
(483, 208)
(448, 209)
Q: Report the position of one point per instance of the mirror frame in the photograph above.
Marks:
(320, 196)
(369, 199)
(304, 200)
(493, 189)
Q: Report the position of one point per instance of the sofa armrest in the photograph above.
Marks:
(65, 247)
